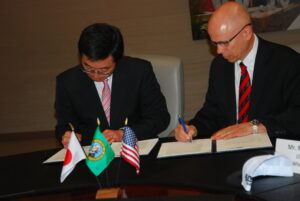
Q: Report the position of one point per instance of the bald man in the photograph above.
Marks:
(268, 98)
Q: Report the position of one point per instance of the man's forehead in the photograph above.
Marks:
(218, 29)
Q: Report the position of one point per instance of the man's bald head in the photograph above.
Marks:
(228, 17)
(229, 29)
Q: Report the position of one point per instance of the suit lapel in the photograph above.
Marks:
(229, 92)
(259, 76)
(116, 96)
(92, 99)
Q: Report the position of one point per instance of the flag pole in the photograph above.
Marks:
(120, 159)
(109, 192)
(99, 184)
(106, 170)
(74, 154)
(71, 126)
(73, 129)
(107, 180)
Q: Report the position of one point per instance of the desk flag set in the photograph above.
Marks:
(100, 153)
(130, 150)
(73, 155)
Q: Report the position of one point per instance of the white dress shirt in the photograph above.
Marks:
(249, 61)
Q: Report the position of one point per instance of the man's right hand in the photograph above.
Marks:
(182, 136)
(66, 138)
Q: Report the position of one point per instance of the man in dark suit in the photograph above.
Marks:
(254, 85)
(110, 86)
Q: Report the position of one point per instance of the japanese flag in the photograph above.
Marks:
(73, 155)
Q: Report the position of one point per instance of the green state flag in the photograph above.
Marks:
(100, 153)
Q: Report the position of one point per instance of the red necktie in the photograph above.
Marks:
(244, 94)
(106, 97)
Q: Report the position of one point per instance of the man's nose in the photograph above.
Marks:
(220, 49)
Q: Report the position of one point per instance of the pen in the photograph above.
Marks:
(182, 124)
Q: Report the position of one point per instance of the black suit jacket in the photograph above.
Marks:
(136, 95)
(275, 95)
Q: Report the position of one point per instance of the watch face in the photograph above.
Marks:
(255, 122)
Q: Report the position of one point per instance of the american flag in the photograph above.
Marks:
(130, 150)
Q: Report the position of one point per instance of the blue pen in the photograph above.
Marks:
(182, 124)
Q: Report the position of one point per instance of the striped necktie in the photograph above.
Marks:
(106, 97)
(244, 94)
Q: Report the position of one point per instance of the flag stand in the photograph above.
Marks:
(107, 193)
(110, 192)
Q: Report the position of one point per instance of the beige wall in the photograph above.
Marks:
(38, 41)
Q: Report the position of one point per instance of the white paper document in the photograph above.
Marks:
(145, 146)
(171, 149)
(246, 142)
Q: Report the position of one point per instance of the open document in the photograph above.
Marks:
(254, 141)
(171, 149)
(145, 146)
(205, 146)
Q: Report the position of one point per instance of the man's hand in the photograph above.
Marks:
(237, 130)
(66, 138)
(182, 136)
(113, 135)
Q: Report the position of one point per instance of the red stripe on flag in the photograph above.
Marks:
(131, 156)
(129, 149)
(132, 160)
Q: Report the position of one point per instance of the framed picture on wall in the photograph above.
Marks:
(267, 15)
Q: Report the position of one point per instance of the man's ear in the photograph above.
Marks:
(248, 31)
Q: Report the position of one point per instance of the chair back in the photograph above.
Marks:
(295, 46)
(169, 73)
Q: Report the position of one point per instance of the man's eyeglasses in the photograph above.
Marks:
(89, 70)
(226, 43)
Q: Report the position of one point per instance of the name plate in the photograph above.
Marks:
(291, 149)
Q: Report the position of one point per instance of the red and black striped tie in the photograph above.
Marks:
(244, 94)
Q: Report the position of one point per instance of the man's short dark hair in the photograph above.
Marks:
(100, 40)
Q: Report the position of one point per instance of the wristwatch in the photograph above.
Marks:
(255, 123)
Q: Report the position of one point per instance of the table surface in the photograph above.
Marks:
(24, 174)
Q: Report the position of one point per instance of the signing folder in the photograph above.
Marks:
(254, 141)
(206, 146)
(172, 149)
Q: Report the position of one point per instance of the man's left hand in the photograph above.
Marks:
(236, 130)
(113, 135)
